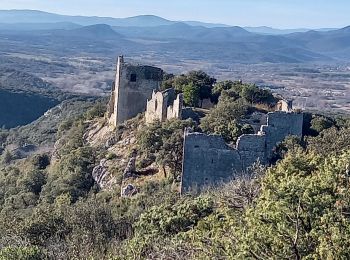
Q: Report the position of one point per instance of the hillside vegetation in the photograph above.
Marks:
(18, 109)
(51, 207)
(25, 97)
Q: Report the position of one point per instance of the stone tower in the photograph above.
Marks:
(134, 85)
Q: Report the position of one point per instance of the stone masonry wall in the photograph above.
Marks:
(134, 84)
(164, 105)
(252, 148)
(207, 159)
(175, 110)
(279, 126)
(156, 108)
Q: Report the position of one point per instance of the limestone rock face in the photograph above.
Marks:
(102, 176)
(110, 142)
(128, 191)
(131, 167)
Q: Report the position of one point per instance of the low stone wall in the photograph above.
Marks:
(208, 160)
(251, 149)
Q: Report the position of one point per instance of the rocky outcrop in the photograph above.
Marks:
(110, 142)
(102, 176)
(130, 169)
(128, 191)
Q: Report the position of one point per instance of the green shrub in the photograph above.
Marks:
(7, 157)
(71, 174)
(41, 161)
(320, 123)
(163, 143)
(111, 156)
(21, 253)
(224, 119)
(97, 110)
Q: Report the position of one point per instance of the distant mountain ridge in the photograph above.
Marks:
(39, 17)
(100, 31)
(152, 34)
(38, 26)
(183, 31)
(336, 42)
(274, 31)
(34, 16)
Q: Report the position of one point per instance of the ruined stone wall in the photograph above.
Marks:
(110, 108)
(175, 110)
(252, 148)
(163, 106)
(255, 120)
(284, 105)
(156, 108)
(279, 126)
(134, 85)
(209, 160)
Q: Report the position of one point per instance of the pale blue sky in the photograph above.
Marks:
(276, 13)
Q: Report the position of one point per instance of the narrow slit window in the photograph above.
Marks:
(133, 78)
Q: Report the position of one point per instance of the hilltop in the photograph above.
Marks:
(61, 179)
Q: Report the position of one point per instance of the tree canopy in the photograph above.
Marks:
(225, 118)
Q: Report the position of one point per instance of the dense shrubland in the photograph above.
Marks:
(197, 86)
(50, 207)
(162, 143)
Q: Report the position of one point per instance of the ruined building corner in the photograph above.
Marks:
(164, 105)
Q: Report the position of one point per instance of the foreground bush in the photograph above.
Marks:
(21, 253)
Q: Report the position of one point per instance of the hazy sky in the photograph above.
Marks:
(276, 13)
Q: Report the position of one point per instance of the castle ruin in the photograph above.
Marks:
(208, 160)
(134, 85)
(164, 105)
(285, 105)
